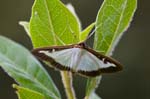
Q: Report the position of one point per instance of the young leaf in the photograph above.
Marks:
(92, 84)
(112, 20)
(25, 69)
(53, 24)
(93, 96)
(84, 34)
(26, 27)
(25, 93)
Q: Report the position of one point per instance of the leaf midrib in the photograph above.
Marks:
(50, 21)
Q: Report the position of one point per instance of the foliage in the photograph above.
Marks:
(52, 23)
(25, 93)
(25, 69)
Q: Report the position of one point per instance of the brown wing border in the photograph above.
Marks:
(95, 73)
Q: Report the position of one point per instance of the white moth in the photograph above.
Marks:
(78, 58)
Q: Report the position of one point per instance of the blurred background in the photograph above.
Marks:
(132, 51)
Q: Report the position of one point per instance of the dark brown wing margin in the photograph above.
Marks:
(51, 48)
(57, 65)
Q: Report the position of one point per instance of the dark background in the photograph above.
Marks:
(132, 51)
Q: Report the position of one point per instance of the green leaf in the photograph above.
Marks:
(112, 20)
(25, 93)
(26, 27)
(25, 69)
(93, 96)
(53, 24)
(84, 34)
(92, 84)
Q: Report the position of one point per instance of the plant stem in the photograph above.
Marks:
(67, 82)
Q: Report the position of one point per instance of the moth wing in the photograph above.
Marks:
(90, 62)
(62, 57)
(84, 61)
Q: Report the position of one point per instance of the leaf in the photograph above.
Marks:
(84, 34)
(112, 20)
(25, 69)
(53, 24)
(26, 27)
(92, 84)
(25, 93)
(93, 96)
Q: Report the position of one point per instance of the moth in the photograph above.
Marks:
(78, 58)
